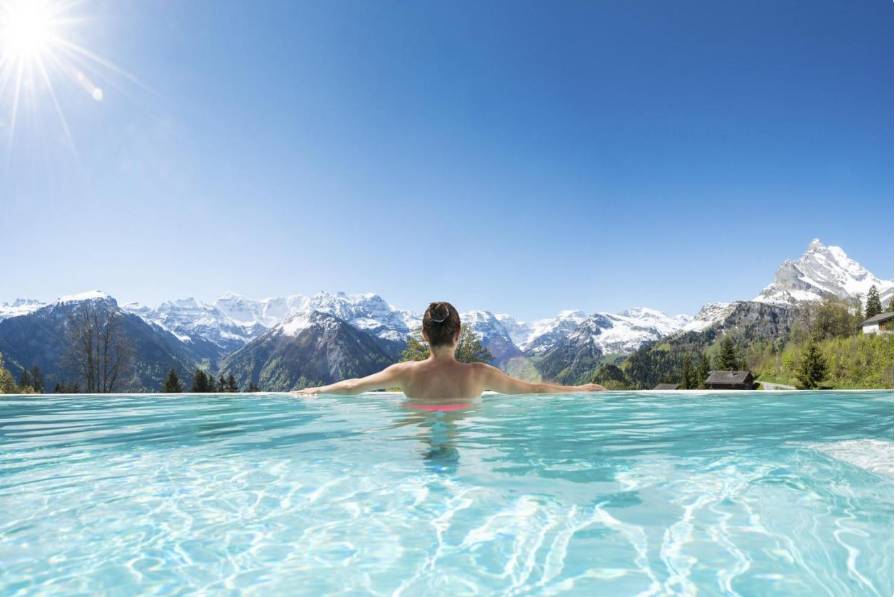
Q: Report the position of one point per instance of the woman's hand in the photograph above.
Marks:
(306, 392)
(592, 387)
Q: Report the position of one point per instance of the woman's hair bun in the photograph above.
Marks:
(439, 312)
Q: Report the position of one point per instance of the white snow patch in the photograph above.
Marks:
(90, 295)
(293, 326)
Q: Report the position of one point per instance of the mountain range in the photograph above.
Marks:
(281, 342)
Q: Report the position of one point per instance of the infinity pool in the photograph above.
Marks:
(611, 494)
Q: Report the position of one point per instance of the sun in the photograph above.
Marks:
(43, 69)
(26, 29)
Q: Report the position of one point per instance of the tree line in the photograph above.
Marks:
(204, 382)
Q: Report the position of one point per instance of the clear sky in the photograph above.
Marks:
(522, 157)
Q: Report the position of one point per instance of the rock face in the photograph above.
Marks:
(823, 271)
(307, 349)
(39, 338)
(751, 321)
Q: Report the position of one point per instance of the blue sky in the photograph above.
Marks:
(523, 157)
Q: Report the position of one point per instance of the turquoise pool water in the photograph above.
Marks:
(610, 494)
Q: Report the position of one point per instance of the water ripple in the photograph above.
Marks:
(616, 494)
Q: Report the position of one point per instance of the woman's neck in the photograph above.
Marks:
(442, 353)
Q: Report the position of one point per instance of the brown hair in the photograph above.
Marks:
(441, 323)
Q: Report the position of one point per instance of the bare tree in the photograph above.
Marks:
(97, 349)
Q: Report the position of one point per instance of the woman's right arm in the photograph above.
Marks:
(390, 376)
(498, 381)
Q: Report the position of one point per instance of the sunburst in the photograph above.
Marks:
(38, 55)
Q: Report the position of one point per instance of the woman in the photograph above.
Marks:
(442, 376)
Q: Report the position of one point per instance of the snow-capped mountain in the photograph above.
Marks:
(307, 349)
(368, 312)
(494, 333)
(40, 338)
(193, 321)
(612, 333)
(570, 355)
(19, 307)
(542, 334)
(26, 306)
(265, 312)
(709, 315)
(566, 346)
(823, 271)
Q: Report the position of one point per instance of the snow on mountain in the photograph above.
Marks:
(709, 315)
(631, 328)
(612, 333)
(823, 271)
(90, 295)
(623, 333)
(265, 312)
(27, 306)
(543, 334)
(192, 321)
(368, 312)
(494, 333)
(232, 321)
(19, 307)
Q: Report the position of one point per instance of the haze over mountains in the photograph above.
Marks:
(281, 342)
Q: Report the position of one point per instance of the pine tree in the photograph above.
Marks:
(471, 349)
(703, 370)
(37, 380)
(727, 359)
(874, 307)
(686, 374)
(221, 386)
(890, 304)
(231, 384)
(172, 383)
(25, 381)
(202, 383)
(7, 383)
(253, 387)
(813, 367)
(415, 350)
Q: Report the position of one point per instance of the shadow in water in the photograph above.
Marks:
(438, 425)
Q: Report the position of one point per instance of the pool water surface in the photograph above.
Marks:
(753, 493)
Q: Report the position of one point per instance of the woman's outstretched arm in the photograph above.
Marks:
(388, 377)
(498, 381)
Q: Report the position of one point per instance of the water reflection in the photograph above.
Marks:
(438, 426)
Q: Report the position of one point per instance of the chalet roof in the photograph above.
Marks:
(667, 386)
(728, 377)
(881, 318)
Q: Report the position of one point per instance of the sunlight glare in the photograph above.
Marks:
(26, 28)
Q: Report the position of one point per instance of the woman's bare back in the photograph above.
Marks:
(433, 379)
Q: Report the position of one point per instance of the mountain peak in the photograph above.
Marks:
(822, 271)
(816, 245)
(90, 295)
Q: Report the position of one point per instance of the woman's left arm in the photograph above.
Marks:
(388, 377)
